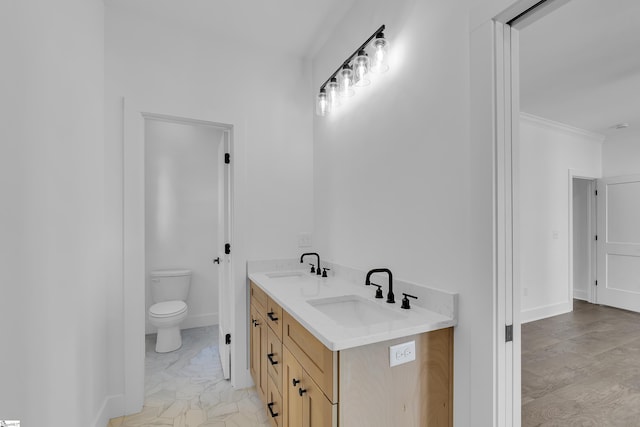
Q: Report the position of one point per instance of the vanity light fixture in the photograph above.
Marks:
(354, 72)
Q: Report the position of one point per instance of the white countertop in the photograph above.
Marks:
(292, 293)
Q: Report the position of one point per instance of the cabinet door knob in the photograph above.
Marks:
(255, 323)
(271, 316)
(270, 357)
(270, 406)
(295, 382)
(301, 391)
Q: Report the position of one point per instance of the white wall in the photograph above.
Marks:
(621, 153)
(181, 180)
(392, 174)
(548, 151)
(582, 238)
(174, 68)
(54, 321)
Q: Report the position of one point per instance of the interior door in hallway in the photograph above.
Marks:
(618, 244)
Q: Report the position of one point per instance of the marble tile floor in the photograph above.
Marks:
(582, 368)
(185, 388)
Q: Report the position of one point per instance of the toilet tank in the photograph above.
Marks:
(169, 285)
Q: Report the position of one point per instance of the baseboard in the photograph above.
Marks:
(195, 321)
(112, 407)
(580, 294)
(199, 320)
(543, 312)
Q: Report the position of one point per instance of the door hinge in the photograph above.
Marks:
(596, 283)
(227, 158)
(596, 192)
(227, 248)
(227, 339)
(596, 237)
(508, 332)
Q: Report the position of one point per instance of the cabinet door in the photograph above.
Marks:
(258, 352)
(291, 383)
(317, 410)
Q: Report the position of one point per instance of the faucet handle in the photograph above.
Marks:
(313, 268)
(324, 271)
(405, 301)
(378, 291)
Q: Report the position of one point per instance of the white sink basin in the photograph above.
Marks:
(353, 311)
(284, 274)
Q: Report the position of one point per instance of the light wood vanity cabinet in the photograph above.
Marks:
(304, 384)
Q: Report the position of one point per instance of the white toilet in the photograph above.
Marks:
(169, 290)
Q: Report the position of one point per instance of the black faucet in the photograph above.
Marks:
(390, 297)
(313, 270)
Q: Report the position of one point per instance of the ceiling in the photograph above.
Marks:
(580, 65)
(294, 27)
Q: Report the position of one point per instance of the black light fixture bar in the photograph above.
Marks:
(353, 55)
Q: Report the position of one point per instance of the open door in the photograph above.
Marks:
(618, 244)
(224, 255)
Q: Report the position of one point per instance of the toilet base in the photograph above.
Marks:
(168, 339)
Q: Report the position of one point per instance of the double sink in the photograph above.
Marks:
(342, 314)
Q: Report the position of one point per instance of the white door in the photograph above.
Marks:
(618, 244)
(224, 259)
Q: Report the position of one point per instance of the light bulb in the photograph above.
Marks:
(346, 82)
(322, 105)
(361, 69)
(380, 47)
(333, 97)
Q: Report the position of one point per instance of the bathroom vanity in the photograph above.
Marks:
(321, 351)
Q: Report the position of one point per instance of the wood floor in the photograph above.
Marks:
(582, 368)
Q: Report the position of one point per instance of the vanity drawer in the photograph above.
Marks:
(273, 316)
(274, 405)
(316, 359)
(258, 297)
(274, 357)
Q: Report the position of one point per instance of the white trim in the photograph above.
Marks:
(543, 312)
(112, 407)
(561, 127)
(581, 295)
(195, 321)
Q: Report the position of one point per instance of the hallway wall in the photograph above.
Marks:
(547, 151)
(53, 325)
(621, 153)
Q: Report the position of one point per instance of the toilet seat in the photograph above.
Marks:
(167, 309)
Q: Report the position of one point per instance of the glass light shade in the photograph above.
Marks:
(361, 69)
(322, 104)
(345, 77)
(333, 90)
(380, 47)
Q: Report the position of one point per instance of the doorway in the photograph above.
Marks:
(583, 254)
(181, 212)
(135, 224)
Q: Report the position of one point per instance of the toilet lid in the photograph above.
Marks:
(167, 308)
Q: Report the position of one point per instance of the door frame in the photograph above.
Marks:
(591, 224)
(134, 117)
(502, 93)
